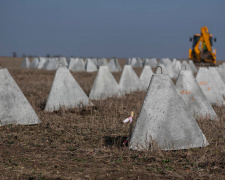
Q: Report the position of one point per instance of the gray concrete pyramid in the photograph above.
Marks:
(177, 67)
(128, 61)
(217, 81)
(14, 106)
(165, 61)
(221, 72)
(164, 120)
(151, 62)
(72, 63)
(146, 76)
(187, 67)
(171, 71)
(102, 62)
(112, 65)
(162, 70)
(65, 92)
(25, 63)
(34, 63)
(205, 82)
(136, 62)
(41, 63)
(192, 66)
(96, 62)
(90, 66)
(118, 64)
(104, 85)
(194, 98)
(63, 61)
(129, 80)
(51, 64)
(77, 65)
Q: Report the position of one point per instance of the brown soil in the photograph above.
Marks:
(86, 143)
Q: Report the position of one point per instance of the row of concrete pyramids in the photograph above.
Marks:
(168, 114)
(65, 90)
(172, 67)
(165, 118)
(73, 64)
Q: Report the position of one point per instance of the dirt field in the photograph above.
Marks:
(86, 143)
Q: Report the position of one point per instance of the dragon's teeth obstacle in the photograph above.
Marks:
(146, 76)
(65, 92)
(51, 64)
(25, 63)
(217, 80)
(90, 66)
(194, 98)
(162, 69)
(113, 65)
(164, 120)
(76, 65)
(129, 80)
(104, 85)
(192, 66)
(205, 82)
(34, 63)
(41, 63)
(14, 107)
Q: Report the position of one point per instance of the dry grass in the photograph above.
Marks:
(86, 143)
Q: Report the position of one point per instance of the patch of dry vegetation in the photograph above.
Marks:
(86, 143)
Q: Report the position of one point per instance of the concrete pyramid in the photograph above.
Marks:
(90, 66)
(221, 72)
(63, 61)
(25, 63)
(170, 69)
(217, 81)
(151, 62)
(204, 80)
(34, 63)
(194, 98)
(162, 70)
(65, 92)
(72, 63)
(187, 67)
(192, 66)
(77, 65)
(103, 62)
(104, 85)
(128, 61)
(136, 62)
(165, 61)
(129, 80)
(112, 65)
(51, 64)
(177, 67)
(14, 107)
(41, 63)
(146, 76)
(164, 120)
(118, 64)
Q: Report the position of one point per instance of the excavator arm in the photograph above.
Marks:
(202, 48)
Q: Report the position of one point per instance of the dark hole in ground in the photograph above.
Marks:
(118, 141)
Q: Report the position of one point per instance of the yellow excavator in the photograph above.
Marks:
(202, 48)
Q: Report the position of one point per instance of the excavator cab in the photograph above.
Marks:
(202, 47)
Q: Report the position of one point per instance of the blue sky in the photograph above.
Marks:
(107, 28)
